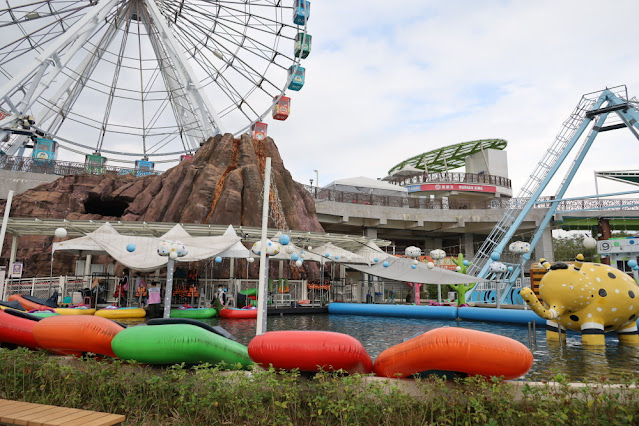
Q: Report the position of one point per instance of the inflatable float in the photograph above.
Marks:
(29, 302)
(193, 313)
(17, 330)
(80, 310)
(310, 351)
(177, 343)
(212, 328)
(456, 350)
(233, 313)
(120, 313)
(11, 305)
(76, 334)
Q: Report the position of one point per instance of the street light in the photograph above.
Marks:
(316, 177)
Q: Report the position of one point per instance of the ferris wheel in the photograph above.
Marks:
(144, 80)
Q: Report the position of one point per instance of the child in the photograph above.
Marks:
(154, 294)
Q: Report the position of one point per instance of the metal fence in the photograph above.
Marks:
(65, 168)
(454, 177)
(322, 194)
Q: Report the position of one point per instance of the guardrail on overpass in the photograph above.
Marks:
(321, 194)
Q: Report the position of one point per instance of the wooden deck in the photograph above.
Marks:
(27, 413)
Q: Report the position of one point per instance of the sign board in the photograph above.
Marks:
(16, 270)
(618, 245)
(452, 187)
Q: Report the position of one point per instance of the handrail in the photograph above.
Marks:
(452, 177)
(64, 168)
(323, 194)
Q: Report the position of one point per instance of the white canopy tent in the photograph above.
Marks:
(401, 269)
(107, 240)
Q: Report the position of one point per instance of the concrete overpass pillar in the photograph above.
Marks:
(544, 246)
(431, 244)
(468, 247)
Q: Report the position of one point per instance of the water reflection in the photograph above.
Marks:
(574, 361)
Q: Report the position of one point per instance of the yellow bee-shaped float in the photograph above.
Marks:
(589, 297)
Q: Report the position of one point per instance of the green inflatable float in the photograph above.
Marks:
(193, 313)
(177, 343)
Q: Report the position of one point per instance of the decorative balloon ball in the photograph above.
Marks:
(458, 268)
(385, 264)
(298, 263)
(413, 252)
(271, 248)
(632, 263)
(430, 265)
(375, 260)
(60, 232)
(327, 255)
(302, 254)
(336, 257)
(413, 266)
(495, 256)
(290, 249)
(497, 267)
(590, 243)
(173, 255)
(309, 248)
(466, 263)
(130, 247)
(294, 257)
(437, 254)
(415, 262)
(284, 239)
(250, 259)
(510, 269)
(218, 259)
(519, 247)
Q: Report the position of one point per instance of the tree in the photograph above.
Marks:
(566, 248)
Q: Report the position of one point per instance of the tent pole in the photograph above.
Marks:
(262, 296)
(169, 288)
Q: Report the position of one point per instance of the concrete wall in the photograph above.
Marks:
(20, 182)
(497, 163)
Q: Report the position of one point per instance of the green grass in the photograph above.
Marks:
(209, 395)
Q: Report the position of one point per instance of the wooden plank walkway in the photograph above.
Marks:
(27, 413)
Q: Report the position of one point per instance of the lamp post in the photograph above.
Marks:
(498, 269)
(316, 178)
(521, 248)
(172, 249)
(437, 255)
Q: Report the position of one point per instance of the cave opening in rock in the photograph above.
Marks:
(105, 207)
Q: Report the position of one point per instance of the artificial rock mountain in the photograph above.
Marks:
(221, 184)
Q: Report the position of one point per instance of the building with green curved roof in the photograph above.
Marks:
(447, 158)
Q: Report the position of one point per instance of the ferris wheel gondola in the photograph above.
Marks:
(145, 80)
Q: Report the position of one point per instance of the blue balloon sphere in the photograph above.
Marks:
(327, 254)
(284, 239)
(130, 247)
(466, 263)
(375, 260)
(632, 263)
(413, 266)
(636, 268)
(336, 257)
(386, 264)
(510, 269)
(495, 256)
(218, 259)
(295, 256)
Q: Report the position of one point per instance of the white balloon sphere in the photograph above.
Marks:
(250, 260)
(60, 233)
(430, 265)
(298, 263)
(290, 249)
(310, 247)
(458, 268)
(415, 261)
(173, 255)
(590, 243)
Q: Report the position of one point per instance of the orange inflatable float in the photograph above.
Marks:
(26, 304)
(310, 351)
(460, 350)
(17, 330)
(76, 334)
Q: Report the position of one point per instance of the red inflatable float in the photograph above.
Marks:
(454, 349)
(310, 351)
(233, 313)
(17, 330)
(76, 334)
(26, 304)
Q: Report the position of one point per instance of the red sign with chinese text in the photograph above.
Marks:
(457, 187)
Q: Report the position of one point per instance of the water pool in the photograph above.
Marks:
(378, 333)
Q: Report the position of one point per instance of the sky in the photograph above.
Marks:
(389, 80)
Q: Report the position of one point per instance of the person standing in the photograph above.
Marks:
(122, 288)
(140, 289)
(155, 298)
